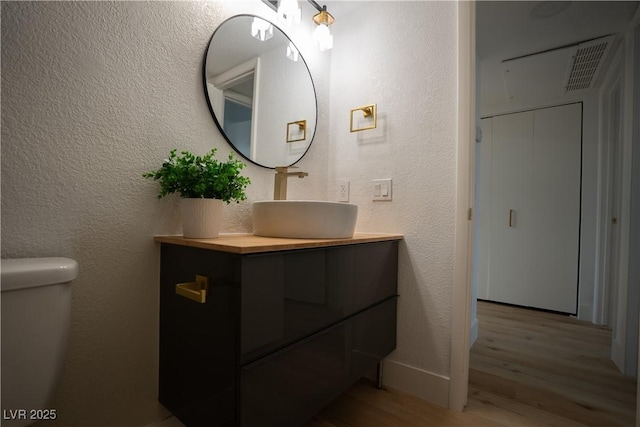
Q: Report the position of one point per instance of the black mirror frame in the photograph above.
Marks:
(213, 114)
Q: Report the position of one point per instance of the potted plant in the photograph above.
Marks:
(203, 183)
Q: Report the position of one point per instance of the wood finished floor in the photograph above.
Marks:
(527, 369)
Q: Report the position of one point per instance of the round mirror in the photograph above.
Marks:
(260, 91)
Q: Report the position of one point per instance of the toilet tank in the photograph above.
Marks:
(36, 310)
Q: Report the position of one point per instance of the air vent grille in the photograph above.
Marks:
(587, 62)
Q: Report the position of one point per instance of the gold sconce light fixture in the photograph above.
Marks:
(289, 14)
(368, 112)
(301, 127)
(322, 35)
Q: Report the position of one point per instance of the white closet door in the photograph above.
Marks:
(556, 206)
(535, 208)
(509, 265)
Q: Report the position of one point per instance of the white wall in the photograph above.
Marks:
(93, 95)
(402, 56)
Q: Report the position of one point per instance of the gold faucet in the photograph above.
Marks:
(280, 185)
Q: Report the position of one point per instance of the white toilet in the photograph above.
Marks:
(36, 308)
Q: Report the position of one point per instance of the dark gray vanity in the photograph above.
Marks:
(286, 326)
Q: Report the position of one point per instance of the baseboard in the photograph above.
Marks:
(586, 313)
(473, 333)
(425, 385)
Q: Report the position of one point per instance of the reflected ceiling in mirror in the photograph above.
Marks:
(262, 100)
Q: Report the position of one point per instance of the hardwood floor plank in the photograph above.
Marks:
(554, 364)
(498, 385)
(363, 405)
(354, 412)
(562, 397)
(512, 412)
(413, 410)
(570, 381)
(574, 408)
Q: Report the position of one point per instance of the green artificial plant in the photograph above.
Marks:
(201, 177)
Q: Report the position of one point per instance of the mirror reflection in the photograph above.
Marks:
(260, 91)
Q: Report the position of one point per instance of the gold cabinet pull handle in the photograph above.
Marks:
(510, 217)
(195, 291)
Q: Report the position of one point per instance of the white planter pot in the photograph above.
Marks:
(200, 218)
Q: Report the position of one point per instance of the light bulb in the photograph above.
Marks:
(289, 12)
(323, 38)
(292, 52)
(261, 29)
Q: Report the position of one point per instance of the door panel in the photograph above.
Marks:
(556, 206)
(510, 216)
(535, 208)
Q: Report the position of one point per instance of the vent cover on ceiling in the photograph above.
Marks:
(586, 63)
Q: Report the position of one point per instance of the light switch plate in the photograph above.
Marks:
(382, 189)
(343, 191)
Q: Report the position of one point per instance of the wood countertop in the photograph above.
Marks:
(250, 244)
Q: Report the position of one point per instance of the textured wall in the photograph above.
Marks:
(94, 94)
(402, 56)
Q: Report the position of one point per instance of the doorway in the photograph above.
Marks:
(463, 308)
(620, 302)
(528, 204)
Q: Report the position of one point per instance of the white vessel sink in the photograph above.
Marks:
(304, 219)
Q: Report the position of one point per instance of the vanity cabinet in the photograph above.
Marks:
(282, 332)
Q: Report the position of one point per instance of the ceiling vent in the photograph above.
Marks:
(585, 64)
